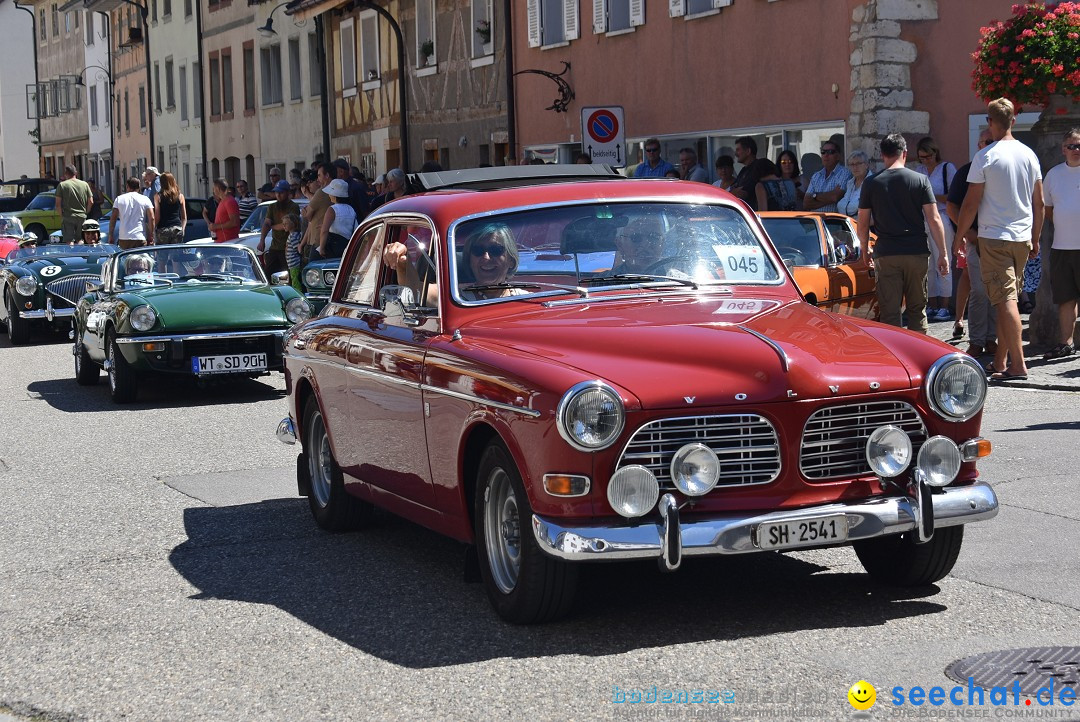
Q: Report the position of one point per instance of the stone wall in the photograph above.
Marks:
(882, 101)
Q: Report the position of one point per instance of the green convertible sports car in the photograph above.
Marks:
(196, 310)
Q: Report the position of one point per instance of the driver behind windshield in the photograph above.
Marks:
(639, 245)
(137, 264)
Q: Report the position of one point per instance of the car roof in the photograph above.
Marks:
(501, 177)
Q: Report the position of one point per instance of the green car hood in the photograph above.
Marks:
(67, 264)
(214, 307)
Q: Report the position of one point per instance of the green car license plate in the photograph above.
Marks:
(830, 529)
(228, 364)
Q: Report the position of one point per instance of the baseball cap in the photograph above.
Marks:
(282, 186)
(152, 169)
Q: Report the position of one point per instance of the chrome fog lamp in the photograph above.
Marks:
(143, 318)
(956, 387)
(633, 491)
(297, 310)
(26, 285)
(590, 416)
(939, 459)
(888, 451)
(312, 277)
(695, 469)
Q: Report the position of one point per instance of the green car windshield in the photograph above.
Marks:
(171, 265)
(95, 254)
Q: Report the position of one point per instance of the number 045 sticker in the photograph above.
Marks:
(742, 263)
(50, 270)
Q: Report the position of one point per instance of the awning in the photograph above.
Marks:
(104, 6)
(304, 9)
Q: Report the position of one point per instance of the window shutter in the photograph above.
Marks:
(637, 13)
(571, 23)
(717, 4)
(533, 11)
(676, 8)
(599, 16)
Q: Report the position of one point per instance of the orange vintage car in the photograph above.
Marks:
(824, 255)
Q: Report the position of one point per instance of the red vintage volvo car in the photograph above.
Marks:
(557, 365)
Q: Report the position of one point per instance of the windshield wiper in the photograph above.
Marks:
(583, 293)
(216, 276)
(641, 277)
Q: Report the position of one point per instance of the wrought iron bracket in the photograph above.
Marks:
(566, 93)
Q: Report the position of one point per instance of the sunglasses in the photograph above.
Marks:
(493, 251)
(829, 151)
(1072, 146)
(641, 237)
(652, 150)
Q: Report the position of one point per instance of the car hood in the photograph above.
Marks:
(213, 307)
(707, 351)
(67, 264)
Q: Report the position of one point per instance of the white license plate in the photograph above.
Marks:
(236, 363)
(803, 532)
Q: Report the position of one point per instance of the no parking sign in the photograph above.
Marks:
(603, 135)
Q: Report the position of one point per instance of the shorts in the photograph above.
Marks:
(1003, 268)
(172, 234)
(71, 228)
(1064, 275)
(127, 243)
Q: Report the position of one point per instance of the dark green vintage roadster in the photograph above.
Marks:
(201, 311)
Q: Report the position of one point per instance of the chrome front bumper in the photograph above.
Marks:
(286, 431)
(671, 537)
(48, 313)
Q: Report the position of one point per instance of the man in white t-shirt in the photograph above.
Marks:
(1005, 190)
(1061, 192)
(132, 219)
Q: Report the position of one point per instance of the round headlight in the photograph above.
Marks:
(297, 310)
(329, 277)
(143, 318)
(633, 491)
(312, 277)
(956, 387)
(695, 469)
(26, 285)
(939, 459)
(888, 451)
(590, 416)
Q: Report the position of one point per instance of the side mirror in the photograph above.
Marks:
(281, 278)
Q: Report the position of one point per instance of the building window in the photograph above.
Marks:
(348, 57)
(483, 28)
(552, 22)
(612, 16)
(43, 30)
(425, 33)
(67, 23)
(183, 93)
(196, 90)
(187, 9)
(270, 58)
(55, 21)
(249, 77)
(127, 113)
(93, 107)
(370, 71)
(108, 107)
(90, 30)
(314, 65)
(170, 89)
(166, 9)
(157, 86)
(295, 91)
(142, 107)
(215, 86)
(153, 10)
(226, 82)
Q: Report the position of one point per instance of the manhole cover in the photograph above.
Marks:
(1033, 667)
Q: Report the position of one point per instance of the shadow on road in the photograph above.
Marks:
(397, 591)
(154, 392)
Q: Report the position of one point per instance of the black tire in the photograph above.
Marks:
(87, 373)
(38, 230)
(898, 561)
(18, 328)
(334, 508)
(123, 384)
(525, 585)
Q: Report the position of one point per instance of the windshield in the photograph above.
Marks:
(254, 222)
(42, 202)
(11, 227)
(607, 245)
(62, 250)
(797, 240)
(192, 264)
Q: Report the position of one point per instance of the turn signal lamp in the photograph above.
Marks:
(566, 485)
(976, 449)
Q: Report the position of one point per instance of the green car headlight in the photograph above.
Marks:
(143, 318)
(26, 285)
(297, 310)
(312, 277)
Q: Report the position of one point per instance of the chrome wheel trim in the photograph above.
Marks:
(502, 531)
(110, 352)
(320, 460)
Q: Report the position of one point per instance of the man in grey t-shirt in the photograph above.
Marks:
(897, 201)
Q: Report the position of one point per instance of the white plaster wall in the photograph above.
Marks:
(18, 154)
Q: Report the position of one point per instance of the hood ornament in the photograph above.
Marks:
(689, 399)
(834, 389)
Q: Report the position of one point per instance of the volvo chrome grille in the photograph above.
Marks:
(834, 438)
(70, 288)
(746, 445)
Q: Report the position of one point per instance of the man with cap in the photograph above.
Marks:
(275, 259)
(151, 182)
(73, 198)
(357, 194)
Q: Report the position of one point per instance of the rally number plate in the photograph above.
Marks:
(813, 531)
(237, 363)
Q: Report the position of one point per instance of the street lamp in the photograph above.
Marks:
(267, 30)
(80, 80)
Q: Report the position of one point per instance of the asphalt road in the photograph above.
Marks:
(155, 564)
